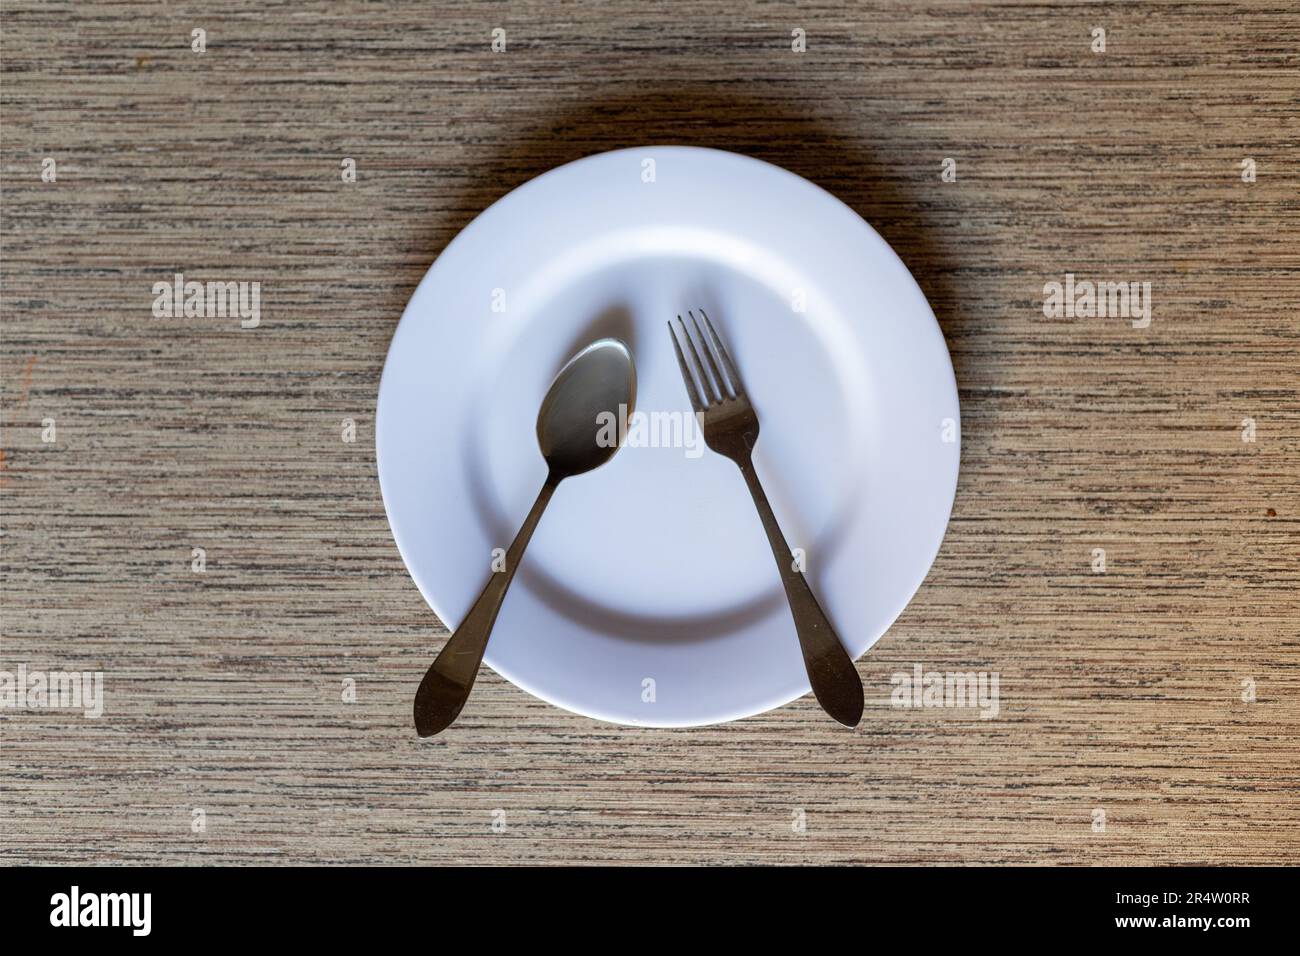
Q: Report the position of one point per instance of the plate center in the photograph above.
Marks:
(664, 540)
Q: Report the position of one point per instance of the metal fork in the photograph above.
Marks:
(731, 429)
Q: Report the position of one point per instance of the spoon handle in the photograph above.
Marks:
(450, 677)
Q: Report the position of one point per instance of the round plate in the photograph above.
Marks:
(649, 594)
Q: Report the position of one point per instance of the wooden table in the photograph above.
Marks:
(1124, 733)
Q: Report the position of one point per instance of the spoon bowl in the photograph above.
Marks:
(583, 417)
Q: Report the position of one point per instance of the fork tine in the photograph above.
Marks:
(737, 389)
(708, 389)
(724, 388)
(691, 390)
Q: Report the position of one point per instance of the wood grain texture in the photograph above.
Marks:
(1120, 691)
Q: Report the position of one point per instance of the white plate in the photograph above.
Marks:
(654, 568)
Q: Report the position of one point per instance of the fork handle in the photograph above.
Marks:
(831, 672)
(451, 676)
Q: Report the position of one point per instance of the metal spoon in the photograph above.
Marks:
(573, 432)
